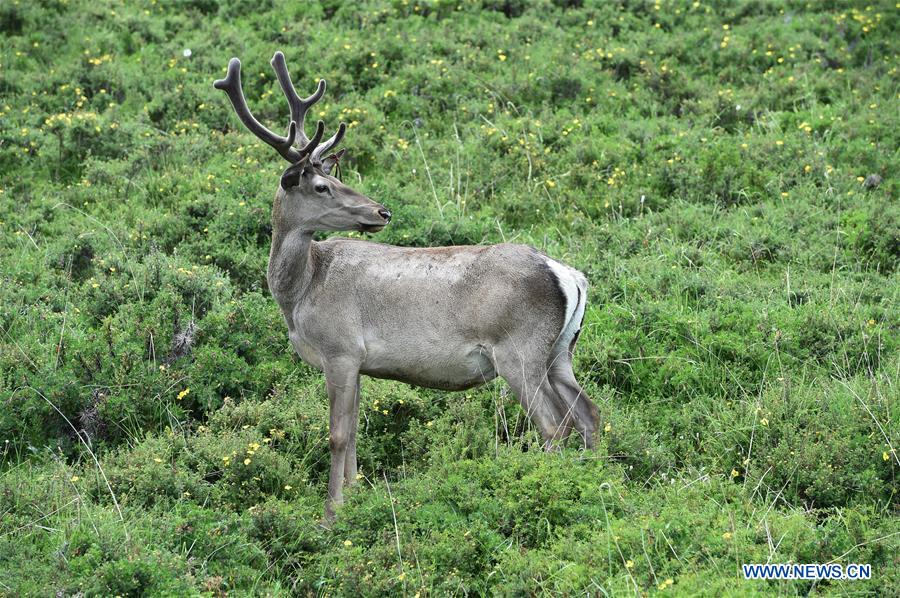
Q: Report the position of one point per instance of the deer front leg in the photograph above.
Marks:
(350, 459)
(342, 379)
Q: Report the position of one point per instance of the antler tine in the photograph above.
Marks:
(329, 144)
(231, 85)
(299, 106)
(317, 137)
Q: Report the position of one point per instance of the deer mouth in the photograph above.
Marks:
(370, 228)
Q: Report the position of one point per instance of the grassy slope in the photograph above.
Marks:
(702, 162)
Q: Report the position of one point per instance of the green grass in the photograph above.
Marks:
(704, 163)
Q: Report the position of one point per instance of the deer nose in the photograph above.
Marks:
(386, 214)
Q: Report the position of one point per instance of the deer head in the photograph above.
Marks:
(309, 198)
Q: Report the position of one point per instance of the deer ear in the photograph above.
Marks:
(291, 176)
(329, 162)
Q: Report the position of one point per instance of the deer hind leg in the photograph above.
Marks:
(528, 380)
(342, 379)
(573, 401)
(584, 412)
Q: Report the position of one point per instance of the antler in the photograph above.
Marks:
(231, 85)
(298, 106)
(329, 144)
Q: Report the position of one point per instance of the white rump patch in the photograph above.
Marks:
(574, 287)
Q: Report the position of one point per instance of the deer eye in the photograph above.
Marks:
(321, 188)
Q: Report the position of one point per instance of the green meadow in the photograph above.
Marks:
(723, 172)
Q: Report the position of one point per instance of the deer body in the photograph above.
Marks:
(430, 317)
(448, 318)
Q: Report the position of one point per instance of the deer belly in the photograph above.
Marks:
(432, 367)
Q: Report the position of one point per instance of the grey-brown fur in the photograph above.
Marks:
(446, 317)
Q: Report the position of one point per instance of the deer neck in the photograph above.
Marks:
(290, 266)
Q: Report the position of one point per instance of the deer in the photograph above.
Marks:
(448, 318)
